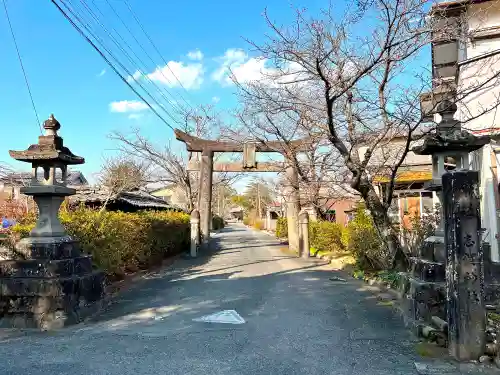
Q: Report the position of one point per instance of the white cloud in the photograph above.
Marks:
(237, 65)
(232, 57)
(134, 77)
(215, 99)
(103, 72)
(135, 116)
(195, 55)
(125, 106)
(190, 75)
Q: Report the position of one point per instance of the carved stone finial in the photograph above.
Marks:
(51, 125)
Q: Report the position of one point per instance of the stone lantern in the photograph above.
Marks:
(449, 146)
(48, 188)
(47, 282)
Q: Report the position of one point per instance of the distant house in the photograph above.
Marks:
(171, 194)
(11, 184)
(126, 201)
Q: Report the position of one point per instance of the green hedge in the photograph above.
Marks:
(281, 228)
(124, 242)
(326, 236)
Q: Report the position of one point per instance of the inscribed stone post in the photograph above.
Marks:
(304, 245)
(195, 232)
(465, 272)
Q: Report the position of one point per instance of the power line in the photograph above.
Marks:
(79, 17)
(144, 50)
(129, 57)
(156, 48)
(96, 48)
(22, 66)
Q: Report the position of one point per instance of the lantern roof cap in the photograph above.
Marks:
(49, 149)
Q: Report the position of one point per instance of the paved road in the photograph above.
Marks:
(297, 321)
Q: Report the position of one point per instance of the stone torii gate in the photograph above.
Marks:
(206, 166)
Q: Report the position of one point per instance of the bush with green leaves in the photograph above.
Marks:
(281, 228)
(362, 240)
(123, 242)
(326, 236)
(217, 222)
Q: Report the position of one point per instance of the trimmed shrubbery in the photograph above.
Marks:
(358, 238)
(281, 228)
(217, 222)
(123, 242)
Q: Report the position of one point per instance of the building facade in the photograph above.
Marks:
(466, 69)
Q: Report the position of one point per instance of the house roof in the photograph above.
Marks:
(406, 176)
(138, 199)
(74, 178)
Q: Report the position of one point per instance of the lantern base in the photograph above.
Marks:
(48, 284)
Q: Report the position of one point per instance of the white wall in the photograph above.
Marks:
(478, 78)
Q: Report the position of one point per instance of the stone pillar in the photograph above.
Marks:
(304, 246)
(464, 268)
(268, 219)
(205, 207)
(195, 232)
(292, 207)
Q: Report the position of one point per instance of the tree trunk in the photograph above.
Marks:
(386, 230)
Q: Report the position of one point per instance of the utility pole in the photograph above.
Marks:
(258, 200)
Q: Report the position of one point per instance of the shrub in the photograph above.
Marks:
(326, 236)
(217, 222)
(362, 240)
(419, 229)
(246, 220)
(258, 224)
(281, 228)
(124, 242)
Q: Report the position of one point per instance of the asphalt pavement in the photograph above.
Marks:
(280, 315)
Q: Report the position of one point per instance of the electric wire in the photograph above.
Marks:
(87, 25)
(170, 101)
(110, 64)
(148, 55)
(156, 48)
(22, 66)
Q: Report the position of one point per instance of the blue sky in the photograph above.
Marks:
(68, 78)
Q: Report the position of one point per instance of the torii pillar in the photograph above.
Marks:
(205, 206)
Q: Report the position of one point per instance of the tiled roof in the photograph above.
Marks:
(139, 199)
(74, 178)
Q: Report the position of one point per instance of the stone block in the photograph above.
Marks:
(492, 293)
(427, 270)
(46, 268)
(48, 248)
(49, 303)
(433, 249)
(425, 299)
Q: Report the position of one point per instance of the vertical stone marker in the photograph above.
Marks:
(195, 232)
(465, 272)
(304, 246)
(48, 282)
